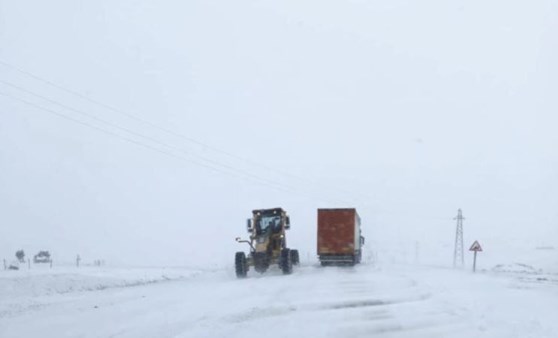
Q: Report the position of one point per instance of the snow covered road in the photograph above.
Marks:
(365, 301)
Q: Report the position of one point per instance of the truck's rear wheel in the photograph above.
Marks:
(295, 257)
(286, 263)
(240, 265)
(359, 257)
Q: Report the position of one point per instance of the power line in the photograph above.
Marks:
(239, 173)
(169, 131)
(123, 137)
(132, 132)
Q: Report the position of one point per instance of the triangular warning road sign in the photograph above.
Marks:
(475, 247)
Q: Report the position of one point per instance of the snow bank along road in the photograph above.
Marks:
(364, 301)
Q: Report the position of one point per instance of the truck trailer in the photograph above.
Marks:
(339, 237)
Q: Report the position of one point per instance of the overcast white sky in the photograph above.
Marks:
(405, 110)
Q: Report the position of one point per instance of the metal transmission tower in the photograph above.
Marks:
(458, 258)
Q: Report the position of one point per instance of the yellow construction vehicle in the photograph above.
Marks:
(268, 243)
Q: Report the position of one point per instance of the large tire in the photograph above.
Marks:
(295, 257)
(286, 263)
(240, 265)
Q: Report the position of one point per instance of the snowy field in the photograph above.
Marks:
(370, 300)
(28, 290)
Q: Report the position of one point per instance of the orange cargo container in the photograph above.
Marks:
(339, 236)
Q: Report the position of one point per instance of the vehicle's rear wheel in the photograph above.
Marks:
(240, 265)
(295, 257)
(359, 257)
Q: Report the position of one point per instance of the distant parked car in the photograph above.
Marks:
(42, 257)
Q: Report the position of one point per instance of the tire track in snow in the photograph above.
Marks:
(348, 300)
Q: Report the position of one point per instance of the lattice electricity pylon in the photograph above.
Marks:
(458, 256)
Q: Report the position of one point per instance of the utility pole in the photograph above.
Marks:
(458, 257)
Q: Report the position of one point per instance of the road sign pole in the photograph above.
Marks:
(475, 262)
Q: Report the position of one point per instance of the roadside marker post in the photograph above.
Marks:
(476, 247)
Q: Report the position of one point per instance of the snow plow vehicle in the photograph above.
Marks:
(268, 243)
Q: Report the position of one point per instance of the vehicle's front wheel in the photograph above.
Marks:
(286, 263)
(240, 265)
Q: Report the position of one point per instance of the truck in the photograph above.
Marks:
(340, 240)
(268, 243)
